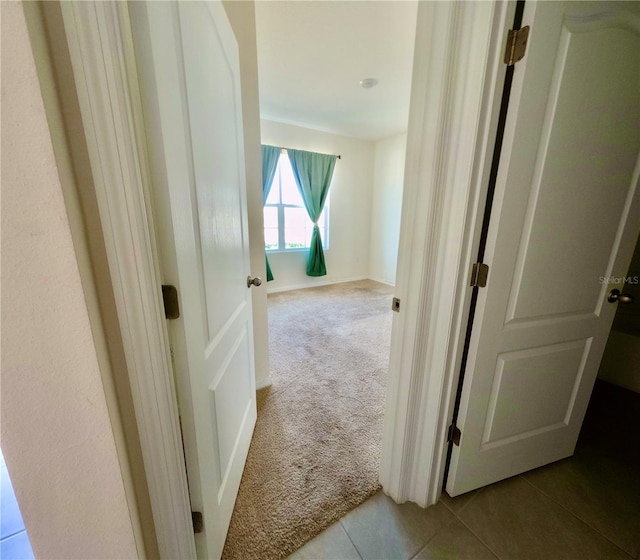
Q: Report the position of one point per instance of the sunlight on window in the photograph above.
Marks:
(295, 233)
(290, 192)
(286, 222)
(274, 193)
(271, 227)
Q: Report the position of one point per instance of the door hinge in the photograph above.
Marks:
(479, 275)
(516, 45)
(454, 434)
(198, 522)
(395, 304)
(170, 299)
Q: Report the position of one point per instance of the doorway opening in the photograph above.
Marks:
(316, 445)
(316, 448)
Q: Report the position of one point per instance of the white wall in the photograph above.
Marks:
(347, 257)
(242, 18)
(57, 438)
(388, 179)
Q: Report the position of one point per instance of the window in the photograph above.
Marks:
(286, 223)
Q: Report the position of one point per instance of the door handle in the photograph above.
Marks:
(253, 281)
(615, 295)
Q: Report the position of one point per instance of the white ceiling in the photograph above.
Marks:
(313, 54)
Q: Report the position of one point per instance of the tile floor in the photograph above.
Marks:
(585, 507)
(14, 542)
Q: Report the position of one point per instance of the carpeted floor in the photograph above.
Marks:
(316, 447)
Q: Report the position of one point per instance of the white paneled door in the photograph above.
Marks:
(188, 65)
(565, 219)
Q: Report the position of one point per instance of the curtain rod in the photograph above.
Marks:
(338, 156)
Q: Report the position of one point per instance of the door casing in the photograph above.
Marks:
(102, 59)
(455, 104)
(450, 140)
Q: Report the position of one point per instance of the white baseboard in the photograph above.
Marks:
(313, 285)
(263, 383)
(392, 284)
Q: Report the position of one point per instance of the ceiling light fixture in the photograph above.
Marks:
(368, 83)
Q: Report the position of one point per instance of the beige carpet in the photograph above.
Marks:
(316, 447)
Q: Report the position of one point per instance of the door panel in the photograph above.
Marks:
(565, 179)
(189, 77)
(230, 403)
(566, 215)
(212, 106)
(533, 391)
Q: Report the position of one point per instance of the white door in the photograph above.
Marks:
(188, 64)
(565, 217)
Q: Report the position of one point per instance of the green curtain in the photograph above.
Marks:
(313, 174)
(270, 156)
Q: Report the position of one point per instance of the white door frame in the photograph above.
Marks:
(100, 47)
(457, 86)
(454, 109)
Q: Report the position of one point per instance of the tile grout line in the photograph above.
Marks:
(479, 538)
(360, 555)
(7, 537)
(565, 508)
(469, 528)
(434, 535)
(465, 506)
(349, 536)
(424, 546)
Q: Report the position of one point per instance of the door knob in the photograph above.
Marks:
(253, 281)
(615, 295)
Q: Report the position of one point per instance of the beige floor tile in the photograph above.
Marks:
(381, 529)
(600, 490)
(457, 504)
(518, 522)
(455, 542)
(332, 544)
